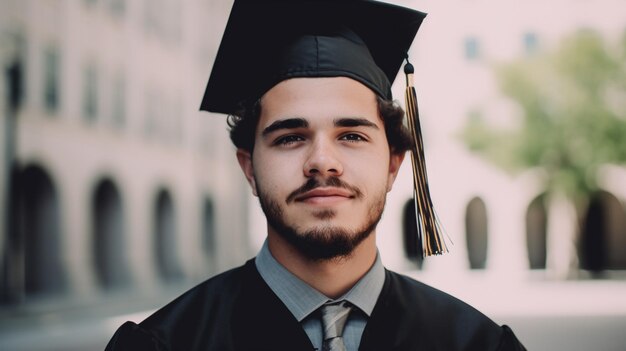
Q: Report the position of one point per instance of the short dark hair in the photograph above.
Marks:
(243, 125)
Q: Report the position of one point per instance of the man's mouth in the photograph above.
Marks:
(325, 196)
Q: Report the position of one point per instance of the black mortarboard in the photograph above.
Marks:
(268, 41)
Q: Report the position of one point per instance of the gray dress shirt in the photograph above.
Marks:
(302, 300)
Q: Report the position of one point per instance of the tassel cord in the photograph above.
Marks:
(428, 225)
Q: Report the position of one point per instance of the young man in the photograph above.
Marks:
(307, 85)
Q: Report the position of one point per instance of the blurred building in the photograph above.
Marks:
(118, 194)
(119, 183)
(502, 224)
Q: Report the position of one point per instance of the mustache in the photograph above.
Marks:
(313, 183)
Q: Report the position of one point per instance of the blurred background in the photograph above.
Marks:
(118, 194)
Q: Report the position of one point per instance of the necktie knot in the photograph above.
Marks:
(334, 317)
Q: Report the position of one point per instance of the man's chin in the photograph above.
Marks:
(324, 242)
(324, 215)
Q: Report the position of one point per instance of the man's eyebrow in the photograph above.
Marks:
(354, 122)
(290, 123)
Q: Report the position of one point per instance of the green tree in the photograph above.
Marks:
(573, 103)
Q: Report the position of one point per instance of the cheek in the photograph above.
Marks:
(275, 174)
(374, 163)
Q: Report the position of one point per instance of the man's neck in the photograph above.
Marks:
(333, 277)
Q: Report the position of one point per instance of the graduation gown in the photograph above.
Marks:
(237, 310)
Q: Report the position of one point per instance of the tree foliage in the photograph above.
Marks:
(573, 103)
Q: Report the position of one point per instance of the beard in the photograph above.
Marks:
(324, 242)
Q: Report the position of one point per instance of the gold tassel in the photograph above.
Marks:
(429, 228)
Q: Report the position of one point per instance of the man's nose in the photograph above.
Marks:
(322, 160)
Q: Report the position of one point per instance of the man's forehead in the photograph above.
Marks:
(331, 101)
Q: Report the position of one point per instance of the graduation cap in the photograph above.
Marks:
(268, 41)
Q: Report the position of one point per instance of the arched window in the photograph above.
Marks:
(39, 234)
(476, 230)
(109, 236)
(603, 238)
(412, 244)
(165, 243)
(536, 232)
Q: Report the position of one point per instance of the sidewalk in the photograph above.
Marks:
(581, 315)
(545, 315)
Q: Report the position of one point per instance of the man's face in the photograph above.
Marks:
(321, 164)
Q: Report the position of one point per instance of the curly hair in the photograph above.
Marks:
(243, 124)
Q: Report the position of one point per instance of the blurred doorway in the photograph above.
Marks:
(165, 238)
(39, 233)
(476, 229)
(412, 242)
(109, 244)
(536, 232)
(602, 244)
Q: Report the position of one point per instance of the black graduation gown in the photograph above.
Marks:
(237, 310)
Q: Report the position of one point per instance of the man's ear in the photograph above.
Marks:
(245, 162)
(395, 161)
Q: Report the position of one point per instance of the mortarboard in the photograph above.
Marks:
(268, 41)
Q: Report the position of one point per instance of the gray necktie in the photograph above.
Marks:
(334, 317)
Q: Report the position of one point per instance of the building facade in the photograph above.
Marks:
(500, 223)
(118, 182)
(117, 191)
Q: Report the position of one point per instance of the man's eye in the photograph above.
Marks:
(352, 137)
(288, 140)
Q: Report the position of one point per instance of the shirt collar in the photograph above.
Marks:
(301, 299)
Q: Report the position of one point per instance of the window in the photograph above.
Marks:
(174, 21)
(531, 43)
(51, 80)
(118, 109)
(472, 49)
(90, 93)
(174, 120)
(151, 111)
(162, 117)
(150, 15)
(163, 18)
(117, 7)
